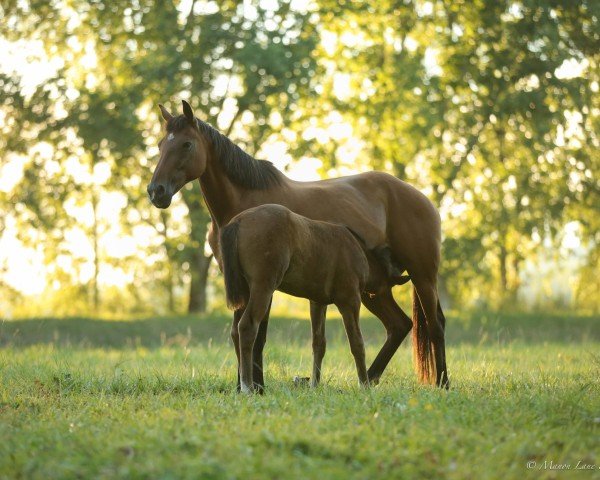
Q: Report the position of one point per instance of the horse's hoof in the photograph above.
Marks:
(301, 381)
(246, 390)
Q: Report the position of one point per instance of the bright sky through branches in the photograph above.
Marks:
(25, 265)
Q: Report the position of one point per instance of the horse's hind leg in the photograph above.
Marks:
(235, 338)
(317, 319)
(428, 298)
(350, 313)
(257, 352)
(248, 327)
(397, 325)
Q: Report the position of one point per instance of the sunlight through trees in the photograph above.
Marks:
(491, 108)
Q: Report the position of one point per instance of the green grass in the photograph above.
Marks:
(155, 398)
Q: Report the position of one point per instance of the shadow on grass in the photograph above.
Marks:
(476, 328)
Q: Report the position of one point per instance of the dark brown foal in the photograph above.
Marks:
(270, 248)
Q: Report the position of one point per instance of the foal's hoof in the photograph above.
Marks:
(256, 390)
(246, 390)
(301, 381)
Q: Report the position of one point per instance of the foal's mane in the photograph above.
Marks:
(241, 168)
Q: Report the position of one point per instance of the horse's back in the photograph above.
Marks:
(376, 205)
(412, 224)
(263, 212)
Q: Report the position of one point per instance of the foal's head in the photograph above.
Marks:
(183, 156)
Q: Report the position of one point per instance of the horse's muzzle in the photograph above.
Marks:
(160, 196)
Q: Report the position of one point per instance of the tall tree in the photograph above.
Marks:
(472, 102)
(237, 62)
(512, 122)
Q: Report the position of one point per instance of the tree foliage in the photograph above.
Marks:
(490, 107)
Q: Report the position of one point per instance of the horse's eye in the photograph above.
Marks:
(187, 146)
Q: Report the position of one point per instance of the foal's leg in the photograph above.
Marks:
(235, 338)
(357, 347)
(397, 325)
(257, 352)
(257, 357)
(317, 321)
(257, 306)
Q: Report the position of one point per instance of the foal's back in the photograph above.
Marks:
(281, 250)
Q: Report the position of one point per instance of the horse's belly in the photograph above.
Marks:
(306, 285)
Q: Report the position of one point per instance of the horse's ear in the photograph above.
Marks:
(189, 113)
(164, 112)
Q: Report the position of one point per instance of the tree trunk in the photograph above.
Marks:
(95, 233)
(169, 280)
(503, 257)
(199, 263)
(504, 222)
(516, 282)
(199, 270)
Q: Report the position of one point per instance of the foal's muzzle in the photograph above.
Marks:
(159, 194)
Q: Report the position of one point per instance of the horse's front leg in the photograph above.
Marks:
(397, 325)
(317, 322)
(257, 352)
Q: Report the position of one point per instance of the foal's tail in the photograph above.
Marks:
(422, 351)
(236, 286)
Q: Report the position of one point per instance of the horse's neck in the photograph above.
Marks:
(222, 196)
(225, 199)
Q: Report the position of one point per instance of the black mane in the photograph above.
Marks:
(241, 168)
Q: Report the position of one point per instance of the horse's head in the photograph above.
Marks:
(183, 156)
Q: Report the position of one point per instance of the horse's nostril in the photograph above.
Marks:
(157, 193)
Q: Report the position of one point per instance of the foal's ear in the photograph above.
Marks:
(189, 113)
(164, 112)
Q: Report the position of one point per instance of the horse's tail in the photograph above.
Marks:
(422, 351)
(236, 287)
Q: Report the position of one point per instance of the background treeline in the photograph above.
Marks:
(490, 107)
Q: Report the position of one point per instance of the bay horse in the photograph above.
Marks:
(268, 248)
(392, 217)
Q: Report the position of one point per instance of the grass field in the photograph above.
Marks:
(155, 398)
